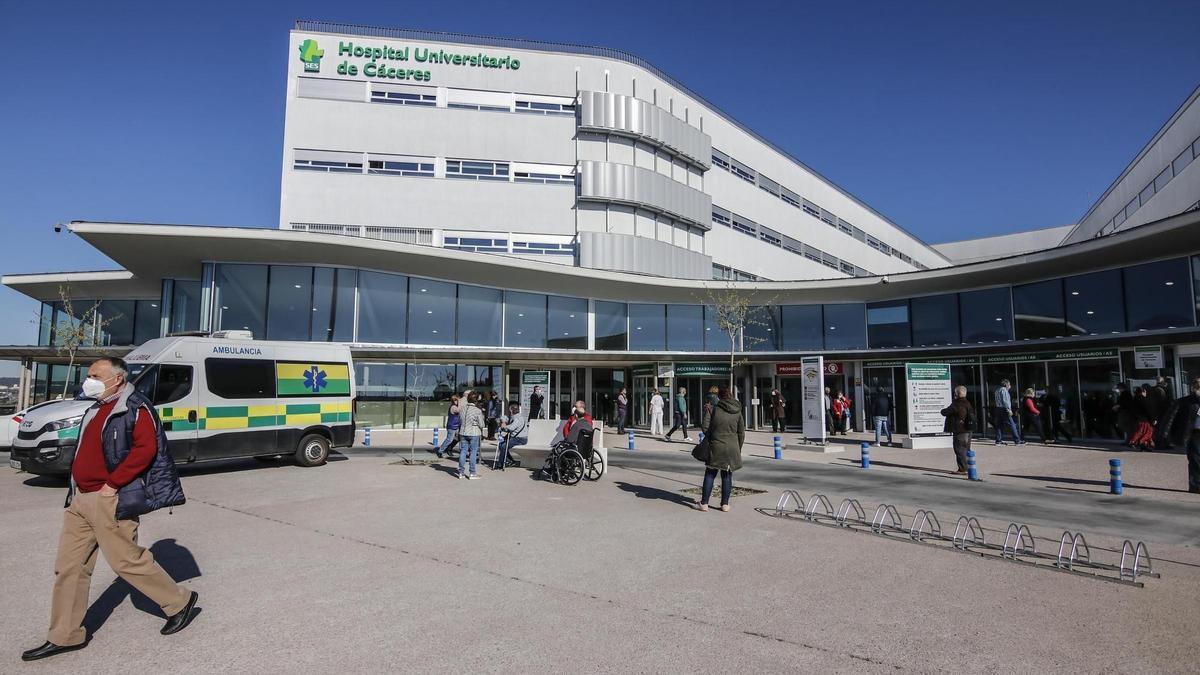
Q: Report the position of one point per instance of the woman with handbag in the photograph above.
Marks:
(721, 449)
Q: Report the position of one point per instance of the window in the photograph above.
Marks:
(1147, 193)
(1158, 295)
(479, 316)
(117, 319)
(472, 99)
(566, 320)
(934, 320)
(289, 303)
(524, 319)
(543, 248)
(430, 312)
(685, 328)
(768, 185)
(741, 171)
(720, 159)
(845, 326)
(185, 306)
(241, 298)
(986, 316)
(476, 170)
(801, 328)
(744, 225)
(770, 237)
(847, 268)
(174, 382)
(540, 108)
(382, 307)
(1131, 207)
(1182, 161)
(789, 196)
(1162, 179)
(388, 165)
(1038, 311)
(1094, 303)
(476, 244)
(240, 378)
(761, 332)
(543, 173)
(811, 208)
(611, 326)
(147, 321)
(647, 328)
(328, 161)
(404, 95)
(722, 217)
(715, 338)
(319, 87)
(887, 325)
(333, 304)
(831, 219)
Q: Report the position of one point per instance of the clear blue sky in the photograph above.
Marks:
(955, 120)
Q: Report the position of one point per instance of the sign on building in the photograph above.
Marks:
(535, 381)
(812, 388)
(928, 392)
(1147, 357)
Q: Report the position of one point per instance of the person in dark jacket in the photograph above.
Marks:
(453, 424)
(493, 410)
(1056, 414)
(1143, 428)
(622, 410)
(960, 416)
(778, 411)
(725, 435)
(1031, 415)
(681, 415)
(881, 410)
(121, 471)
(1165, 399)
(1186, 412)
(1124, 412)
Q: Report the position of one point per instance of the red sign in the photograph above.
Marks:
(833, 368)
(784, 369)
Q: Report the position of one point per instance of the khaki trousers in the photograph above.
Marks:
(90, 526)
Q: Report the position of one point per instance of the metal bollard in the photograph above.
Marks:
(778, 448)
(972, 470)
(435, 437)
(866, 455)
(631, 441)
(367, 436)
(1115, 486)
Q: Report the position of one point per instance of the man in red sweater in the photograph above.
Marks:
(90, 524)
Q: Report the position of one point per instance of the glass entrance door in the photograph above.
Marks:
(562, 393)
(643, 389)
(793, 394)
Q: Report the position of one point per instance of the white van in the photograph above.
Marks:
(232, 396)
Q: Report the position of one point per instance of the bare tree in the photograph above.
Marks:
(734, 313)
(74, 331)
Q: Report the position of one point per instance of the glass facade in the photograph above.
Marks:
(845, 326)
(289, 303)
(524, 319)
(241, 298)
(566, 322)
(1091, 306)
(888, 325)
(685, 328)
(1159, 295)
(431, 312)
(480, 316)
(800, 326)
(935, 320)
(611, 326)
(647, 328)
(1038, 311)
(762, 330)
(333, 304)
(986, 316)
(185, 306)
(399, 395)
(382, 307)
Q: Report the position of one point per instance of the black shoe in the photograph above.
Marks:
(181, 620)
(50, 649)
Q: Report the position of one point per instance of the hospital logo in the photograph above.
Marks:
(314, 379)
(311, 55)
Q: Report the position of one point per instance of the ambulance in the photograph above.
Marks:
(228, 395)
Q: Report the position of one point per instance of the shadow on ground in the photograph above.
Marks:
(647, 492)
(175, 559)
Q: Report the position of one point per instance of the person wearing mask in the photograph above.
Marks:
(1165, 399)
(1003, 405)
(681, 415)
(828, 403)
(514, 431)
(841, 413)
(882, 413)
(473, 424)
(656, 414)
(121, 470)
(1031, 415)
(493, 414)
(578, 421)
(622, 410)
(1143, 429)
(1186, 413)
(453, 424)
(724, 436)
(961, 417)
(535, 403)
(1126, 422)
(1056, 410)
(778, 411)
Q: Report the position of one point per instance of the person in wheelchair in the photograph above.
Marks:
(514, 431)
(577, 422)
(572, 458)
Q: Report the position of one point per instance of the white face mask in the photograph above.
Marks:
(93, 388)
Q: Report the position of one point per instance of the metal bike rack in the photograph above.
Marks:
(810, 511)
(967, 526)
(923, 518)
(1140, 556)
(1019, 535)
(843, 514)
(1073, 556)
(886, 511)
(789, 496)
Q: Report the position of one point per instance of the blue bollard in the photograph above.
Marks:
(866, 455)
(972, 470)
(778, 448)
(1115, 486)
(631, 441)
(435, 437)
(367, 436)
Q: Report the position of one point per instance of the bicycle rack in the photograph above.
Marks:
(1140, 555)
(1076, 541)
(843, 514)
(810, 512)
(789, 496)
(1018, 535)
(967, 526)
(923, 518)
(886, 511)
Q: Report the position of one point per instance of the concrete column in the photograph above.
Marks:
(25, 385)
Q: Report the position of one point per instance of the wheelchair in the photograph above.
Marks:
(569, 463)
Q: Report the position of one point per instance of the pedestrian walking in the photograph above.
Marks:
(841, 413)
(1056, 410)
(961, 417)
(493, 411)
(656, 414)
(1186, 411)
(827, 401)
(1126, 422)
(1003, 407)
(473, 424)
(514, 432)
(778, 411)
(681, 415)
(882, 412)
(1031, 415)
(1143, 430)
(622, 410)
(121, 471)
(453, 424)
(721, 449)
(1164, 398)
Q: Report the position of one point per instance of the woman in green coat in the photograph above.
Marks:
(724, 435)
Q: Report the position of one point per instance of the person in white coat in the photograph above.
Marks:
(656, 414)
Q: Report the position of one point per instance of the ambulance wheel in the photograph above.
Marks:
(313, 450)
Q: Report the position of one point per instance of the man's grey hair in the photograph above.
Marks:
(118, 365)
(1004, 383)
(960, 391)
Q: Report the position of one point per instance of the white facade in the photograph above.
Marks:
(572, 141)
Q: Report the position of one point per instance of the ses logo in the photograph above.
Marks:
(311, 55)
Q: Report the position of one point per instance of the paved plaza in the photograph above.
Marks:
(369, 565)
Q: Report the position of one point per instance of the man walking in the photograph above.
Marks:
(622, 410)
(961, 417)
(778, 411)
(121, 471)
(828, 402)
(1002, 404)
(1163, 399)
(882, 411)
(681, 415)
(656, 414)
(1188, 409)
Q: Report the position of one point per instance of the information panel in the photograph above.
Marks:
(535, 381)
(928, 392)
(813, 390)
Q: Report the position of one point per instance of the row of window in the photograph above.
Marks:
(1160, 181)
(724, 161)
(334, 161)
(721, 216)
(428, 96)
(732, 274)
(501, 245)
